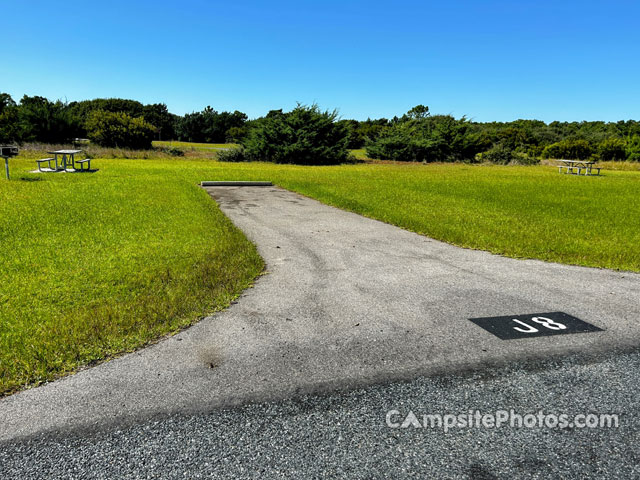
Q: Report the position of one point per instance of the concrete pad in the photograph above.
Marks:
(346, 301)
(216, 183)
(51, 170)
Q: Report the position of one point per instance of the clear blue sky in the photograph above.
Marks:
(489, 60)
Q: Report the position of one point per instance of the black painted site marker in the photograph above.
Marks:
(534, 325)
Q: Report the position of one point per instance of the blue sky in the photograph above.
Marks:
(489, 60)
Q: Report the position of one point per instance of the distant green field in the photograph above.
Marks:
(96, 264)
(203, 147)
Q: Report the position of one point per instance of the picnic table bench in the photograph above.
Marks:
(67, 160)
(577, 166)
(47, 161)
(82, 163)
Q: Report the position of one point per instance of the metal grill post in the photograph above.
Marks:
(7, 151)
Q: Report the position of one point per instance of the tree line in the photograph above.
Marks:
(111, 122)
(415, 136)
(420, 136)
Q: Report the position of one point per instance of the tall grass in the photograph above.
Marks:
(194, 147)
(160, 150)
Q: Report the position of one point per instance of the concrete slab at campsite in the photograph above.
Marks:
(347, 301)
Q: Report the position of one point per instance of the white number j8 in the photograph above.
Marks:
(545, 322)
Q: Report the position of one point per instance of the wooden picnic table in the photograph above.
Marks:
(579, 165)
(68, 157)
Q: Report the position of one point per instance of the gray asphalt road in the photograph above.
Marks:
(347, 301)
(346, 435)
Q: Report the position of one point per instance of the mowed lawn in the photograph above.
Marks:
(92, 265)
(95, 264)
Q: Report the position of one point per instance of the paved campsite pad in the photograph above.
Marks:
(346, 301)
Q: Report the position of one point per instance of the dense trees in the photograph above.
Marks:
(415, 136)
(9, 124)
(576, 149)
(418, 136)
(41, 120)
(359, 133)
(209, 126)
(37, 119)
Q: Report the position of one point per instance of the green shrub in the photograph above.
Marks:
(534, 151)
(422, 138)
(232, 155)
(503, 154)
(304, 136)
(117, 129)
(633, 148)
(520, 158)
(569, 149)
(499, 154)
(173, 151)
(236, 134)
(612, 149)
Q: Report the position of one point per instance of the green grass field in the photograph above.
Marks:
(97, 264)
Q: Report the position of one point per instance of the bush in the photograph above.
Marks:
(520, 158)
(304, 136)
(633, 148)
(612, 149)
(499, 154)
(502, 154)
(569, 149)
(438, 138)
(534, 151)
(117, 129)
(173, 151)
(236, 134)
(232, 155)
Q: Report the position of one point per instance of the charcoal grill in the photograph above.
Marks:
(6, 152)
